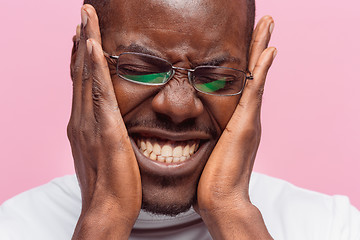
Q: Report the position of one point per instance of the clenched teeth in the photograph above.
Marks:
(169, 153)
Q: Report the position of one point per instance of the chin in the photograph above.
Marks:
(169, 195)
(168, 209)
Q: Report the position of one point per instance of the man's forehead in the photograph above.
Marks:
(155, 13)
(197, 30)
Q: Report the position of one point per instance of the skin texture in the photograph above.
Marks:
(108, 111)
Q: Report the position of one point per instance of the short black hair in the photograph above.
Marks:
(101, 7)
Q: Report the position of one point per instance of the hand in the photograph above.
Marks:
(223, 190)
(104, 160)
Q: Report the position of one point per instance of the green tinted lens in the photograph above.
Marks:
(218, 80)
(143, 68)
(211, 87)
(149, 78)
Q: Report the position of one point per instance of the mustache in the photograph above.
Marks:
(167, 124)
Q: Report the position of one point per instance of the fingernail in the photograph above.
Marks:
(271, 28)
(89, 46)
(84, 17)
(275, 53)
(78, 30)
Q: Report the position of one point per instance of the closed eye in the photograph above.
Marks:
(130, 69)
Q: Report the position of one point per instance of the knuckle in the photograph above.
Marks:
(81, 132)
(98, 92)
(242, 104)
(97, 82)
(86, 73)
(257, 41)
(76, 70)
(113, 120)
(251, 131)
(72, 132)
(69, 131)
(72, 73)
(258, 65)
(259, 95)
(228, 130)
(97, 97)
(251, 135)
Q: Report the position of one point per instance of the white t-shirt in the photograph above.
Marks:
(51, 211)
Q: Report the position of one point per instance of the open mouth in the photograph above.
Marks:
(166, 153)
(165, 150)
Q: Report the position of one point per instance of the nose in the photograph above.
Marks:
(178, 100)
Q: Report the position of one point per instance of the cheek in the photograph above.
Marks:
(222, 108)
(130, 95)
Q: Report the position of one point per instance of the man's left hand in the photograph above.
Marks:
(223, 191)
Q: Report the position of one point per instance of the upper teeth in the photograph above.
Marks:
(167, 153)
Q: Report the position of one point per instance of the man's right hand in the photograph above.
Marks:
(104, 160)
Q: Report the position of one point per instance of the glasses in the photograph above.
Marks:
(154, 71)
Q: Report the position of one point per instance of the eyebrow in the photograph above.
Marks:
(133, 47)
(217, 61)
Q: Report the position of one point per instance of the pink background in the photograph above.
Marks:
(311, 111)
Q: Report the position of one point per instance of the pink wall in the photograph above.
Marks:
(311, 112)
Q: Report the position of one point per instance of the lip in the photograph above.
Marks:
(172, 136)
(171, 169)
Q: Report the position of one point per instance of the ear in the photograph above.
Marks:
(76, 40)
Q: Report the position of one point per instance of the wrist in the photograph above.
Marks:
(235, 221)
(105, 221)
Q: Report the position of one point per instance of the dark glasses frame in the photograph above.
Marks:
(247, 75)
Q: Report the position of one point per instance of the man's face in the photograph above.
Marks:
(174, 120)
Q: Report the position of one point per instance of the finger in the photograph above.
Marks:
(91, 22)
(103, 94)
(111, 125)
(90, 30)
(76, 39)
(76, 68)
(257, 28)
(248, 110)
(260, 40)
(87, 112)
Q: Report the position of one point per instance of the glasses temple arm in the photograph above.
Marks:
(110, 56)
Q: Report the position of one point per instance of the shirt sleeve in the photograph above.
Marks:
(47, 212)
(346, 220)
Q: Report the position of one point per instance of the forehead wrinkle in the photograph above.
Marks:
(201, 36)
(146, 43)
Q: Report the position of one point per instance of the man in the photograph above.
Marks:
(166, 117)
